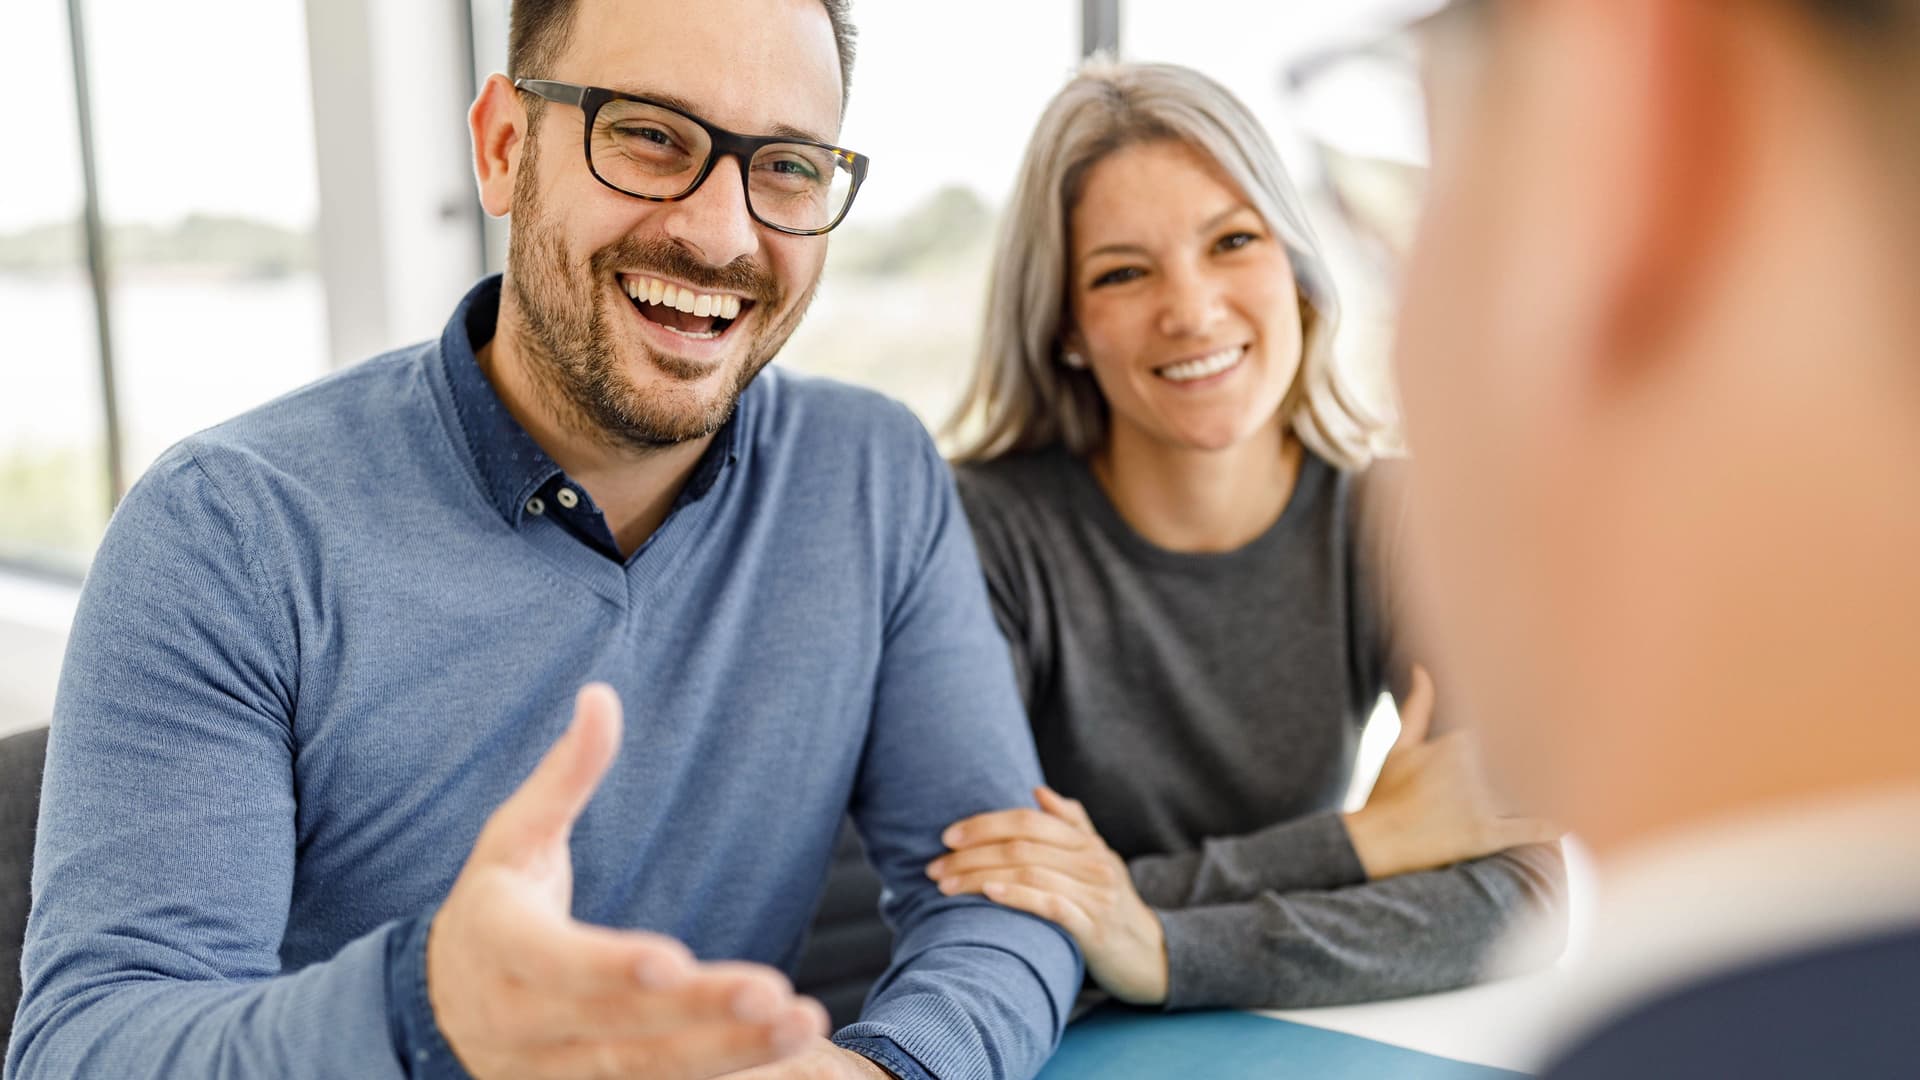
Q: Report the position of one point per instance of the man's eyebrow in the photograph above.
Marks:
(675, 101)
(788, 131)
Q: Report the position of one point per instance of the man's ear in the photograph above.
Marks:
(498, 122)
(1666, 87)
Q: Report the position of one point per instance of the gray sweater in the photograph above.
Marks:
(1207, 710)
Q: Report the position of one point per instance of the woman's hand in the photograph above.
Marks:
(1052, 863)
(1432, 805)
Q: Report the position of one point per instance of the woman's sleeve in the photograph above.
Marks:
(1011, 575)
(1285, 917)
(1312, 852)
(1411, 934)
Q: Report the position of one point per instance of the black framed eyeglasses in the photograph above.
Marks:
(654, 151)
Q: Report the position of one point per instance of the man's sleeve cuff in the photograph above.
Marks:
(883, 1052)
(423, 1050)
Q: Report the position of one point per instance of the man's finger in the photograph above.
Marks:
(711, 995)
(693, 1053)
(548, 802)
(565, 958)
(1010, 825)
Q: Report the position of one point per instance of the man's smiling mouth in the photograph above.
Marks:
(687, 312)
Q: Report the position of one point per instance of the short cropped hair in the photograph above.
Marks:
(537, 35)
(1879, 39)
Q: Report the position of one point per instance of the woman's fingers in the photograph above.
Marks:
(1068, 810)
(1020, 824)
(1520, 831)
(1045, 879)
(1056, 907)
(1416, 712)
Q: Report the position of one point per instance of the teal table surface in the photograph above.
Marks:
(1121, 1045)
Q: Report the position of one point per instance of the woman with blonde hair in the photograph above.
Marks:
(1168, 485)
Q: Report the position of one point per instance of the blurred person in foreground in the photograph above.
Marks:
(1660, 360)
(314, 803)
(1171, 489)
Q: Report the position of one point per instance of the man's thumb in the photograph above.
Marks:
(552, 797)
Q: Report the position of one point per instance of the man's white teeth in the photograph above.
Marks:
(1205, 367)
(655, 291)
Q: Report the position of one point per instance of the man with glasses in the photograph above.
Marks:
(314, 805)
(1661, 367)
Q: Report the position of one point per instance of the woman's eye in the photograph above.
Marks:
(1235, 241)
(1116, 277)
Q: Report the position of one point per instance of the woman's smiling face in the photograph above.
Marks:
(1183, 300)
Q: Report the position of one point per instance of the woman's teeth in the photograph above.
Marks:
(655, 291)
(1203, 368)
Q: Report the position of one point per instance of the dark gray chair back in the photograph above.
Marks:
(23, 757)
(848, 946)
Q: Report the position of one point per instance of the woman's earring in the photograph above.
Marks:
(1074, 360)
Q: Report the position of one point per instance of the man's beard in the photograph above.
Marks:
(569, 347)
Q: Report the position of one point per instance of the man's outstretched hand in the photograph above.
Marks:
(521, 990)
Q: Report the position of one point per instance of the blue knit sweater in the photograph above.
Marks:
(321, 642)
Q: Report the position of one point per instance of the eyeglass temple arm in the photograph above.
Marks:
(563, 93)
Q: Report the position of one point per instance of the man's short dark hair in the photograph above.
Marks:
(1874, 34)
(537, 35)
(1876, 43)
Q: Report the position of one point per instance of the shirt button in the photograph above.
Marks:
(536, 506)
(567, 499)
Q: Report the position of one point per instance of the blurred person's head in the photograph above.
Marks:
(634, 372)
(1155, 279)
(1660, 363)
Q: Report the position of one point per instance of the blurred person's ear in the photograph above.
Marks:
(498, 122)
(1647, 96)
(1675, 132)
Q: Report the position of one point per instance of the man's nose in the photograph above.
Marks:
(713, 222)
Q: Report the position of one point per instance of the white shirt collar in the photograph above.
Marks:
(1711, 897)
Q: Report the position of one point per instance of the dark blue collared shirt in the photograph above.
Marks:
(518, 473)
(321, 642)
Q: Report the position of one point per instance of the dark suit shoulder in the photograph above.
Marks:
(1846, 1010)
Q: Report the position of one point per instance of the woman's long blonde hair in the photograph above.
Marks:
(1021, 397)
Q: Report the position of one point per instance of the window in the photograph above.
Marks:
(944, 97)
(53, 470)
(216, 302)
(209, 246)
(211, 303)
